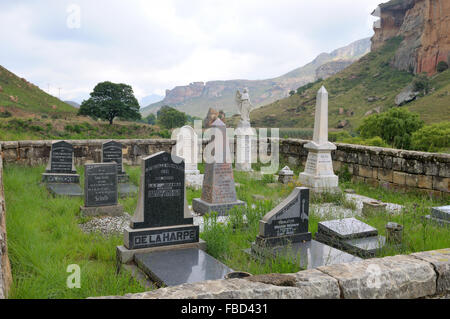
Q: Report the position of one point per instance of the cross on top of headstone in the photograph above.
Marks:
(112, 152)
(162, 193)
(61, 159)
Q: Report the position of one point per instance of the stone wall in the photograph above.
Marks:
(418, 275)
(5, 269)
(389, 168)
(385, 167)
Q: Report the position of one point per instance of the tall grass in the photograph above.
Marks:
(44, 238)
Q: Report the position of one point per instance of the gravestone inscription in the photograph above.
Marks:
(100, 190)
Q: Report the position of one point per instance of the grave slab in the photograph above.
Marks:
(309, 254)
(176, 267)
(441, 213)
(71, 190)
(126, 189)
(201, 207)
(346, 228)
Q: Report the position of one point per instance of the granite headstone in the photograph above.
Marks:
(219, 189)
(100, 190)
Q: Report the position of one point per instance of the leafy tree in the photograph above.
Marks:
(291, 93)
(110, 100)
(432, 138)
(422, 84)
(395, 127)
(442, 66)
(170, 118)
(150, 119)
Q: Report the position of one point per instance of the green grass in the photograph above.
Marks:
(44, 238)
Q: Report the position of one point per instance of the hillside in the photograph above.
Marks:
(21, 98)
(197, 97)
(369, 85)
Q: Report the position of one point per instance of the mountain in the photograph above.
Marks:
(197, 97)
(20, 97)
(74, 104)
(152, 98)
(411, 37)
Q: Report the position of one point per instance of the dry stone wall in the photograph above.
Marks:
(5, 269)
(389, 168)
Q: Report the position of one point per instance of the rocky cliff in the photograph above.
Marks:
(197, 97)
(425, 27)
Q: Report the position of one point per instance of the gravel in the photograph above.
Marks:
(107, 225)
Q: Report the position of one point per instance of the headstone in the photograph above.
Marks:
(288, 222)
(100, 190)
(112, 153)
(60, 175)
(440, 215)
(285, 176)
(351, 235)
(318, 174)
(162, 238)
(219, 192)
(284, 232)
(187, 147)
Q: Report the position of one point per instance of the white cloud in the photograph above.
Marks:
(156, 45)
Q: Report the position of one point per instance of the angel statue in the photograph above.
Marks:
(244, 105)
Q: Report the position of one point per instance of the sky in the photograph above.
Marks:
(67, 47)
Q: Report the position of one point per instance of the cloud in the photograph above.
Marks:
(156, 45)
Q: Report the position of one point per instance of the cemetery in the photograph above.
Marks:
(126, 215)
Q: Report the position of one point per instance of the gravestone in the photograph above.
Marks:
(112, 153)
(284, 232)
(100, 190)
(286, 176)
(352, 236)
(187, 148)
(162, 226)
(219, 189)
(60, 175)
(318, 174)
(440, 215)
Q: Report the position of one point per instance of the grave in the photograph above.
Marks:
(60, 175)
(283, 232)
(352, 236)
(112, 152)
(285, 176)
(100, 190)
(187, 147)
(162, 229)
(318, 174)
(440, 215)
(245, 135)
(219, 190)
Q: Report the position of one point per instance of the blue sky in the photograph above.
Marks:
(157, 45)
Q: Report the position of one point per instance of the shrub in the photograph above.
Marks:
(432, 138)
(421, 84)
(442, 66)
(338, 136)
(394, 127)
(5, 114)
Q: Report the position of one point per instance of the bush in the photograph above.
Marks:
(421, 84)
(432, 138)
(442, 66)
(394, 127)
(338, 136)
(5, 114)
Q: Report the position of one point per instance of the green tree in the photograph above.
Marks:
(395, 127)
(110, 100)
(442, 66)
(422, 84)
(170, 118)
(150, 119)
(432, 138)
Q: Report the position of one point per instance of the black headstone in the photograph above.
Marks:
(100, 184)
(288, 221)
(61, 158)
(162, 193)
(112, 152)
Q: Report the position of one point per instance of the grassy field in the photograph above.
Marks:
(44, 237)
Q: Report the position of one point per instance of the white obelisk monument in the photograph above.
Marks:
(244, 133)
(318, 174)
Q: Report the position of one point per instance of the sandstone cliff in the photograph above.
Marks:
(425, 27)
(197, 97)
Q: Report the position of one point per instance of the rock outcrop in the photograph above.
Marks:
(212, 116)
(425, 28)
(331, 68)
